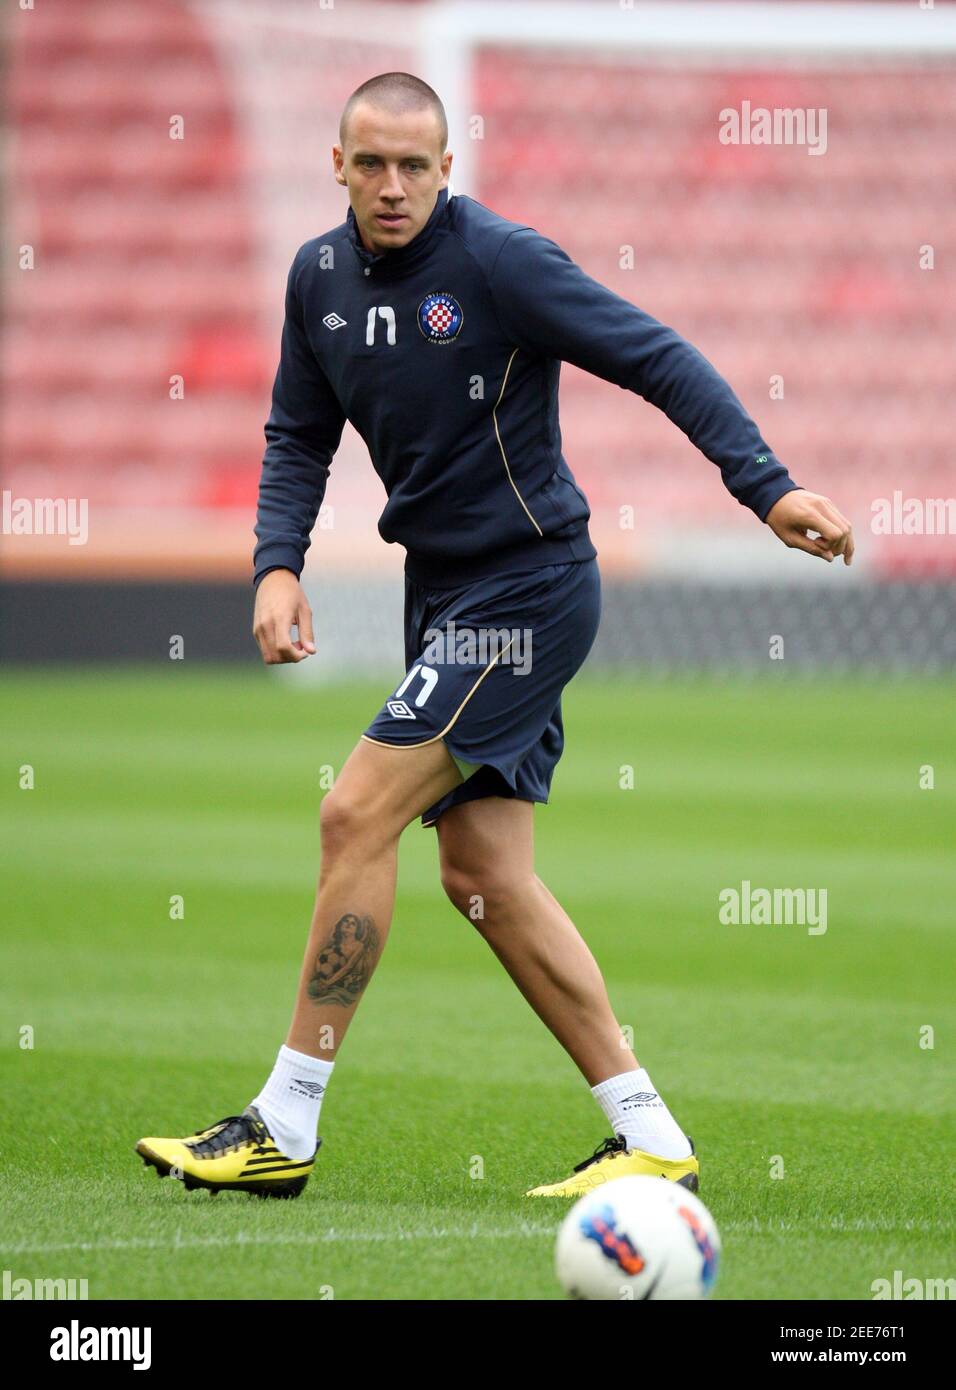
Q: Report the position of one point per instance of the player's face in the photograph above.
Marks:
(393, 167)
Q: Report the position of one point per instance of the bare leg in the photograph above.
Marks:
(378, 792)
(487, 850)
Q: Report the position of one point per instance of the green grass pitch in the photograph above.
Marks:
(764, 1040)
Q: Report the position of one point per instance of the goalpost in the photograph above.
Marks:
(294, 64)
(686, 32)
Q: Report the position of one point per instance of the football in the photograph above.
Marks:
(638, 1238)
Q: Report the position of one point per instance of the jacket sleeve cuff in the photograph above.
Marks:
(763, 497)
(280, 556)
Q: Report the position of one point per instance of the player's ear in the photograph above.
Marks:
(338, 164)
(446, 168)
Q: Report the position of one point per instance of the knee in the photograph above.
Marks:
(459, 886)
(481, 894)
(345, 821)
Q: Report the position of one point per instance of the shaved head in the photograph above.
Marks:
(396, 93)
(392, 158)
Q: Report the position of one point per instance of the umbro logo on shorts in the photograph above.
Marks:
(333, 321)
(398, 709)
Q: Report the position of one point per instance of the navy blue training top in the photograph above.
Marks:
(445, 356)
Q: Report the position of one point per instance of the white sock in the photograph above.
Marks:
(637, 1112)
(291, 1099)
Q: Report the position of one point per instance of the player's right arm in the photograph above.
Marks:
(302, 434)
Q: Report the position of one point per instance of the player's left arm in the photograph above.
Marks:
(547, 305)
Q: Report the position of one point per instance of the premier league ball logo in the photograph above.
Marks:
(440, 318)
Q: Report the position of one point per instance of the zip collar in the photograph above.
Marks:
(402, 258)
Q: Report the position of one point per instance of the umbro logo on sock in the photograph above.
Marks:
(312, 1088)
(641, 1098)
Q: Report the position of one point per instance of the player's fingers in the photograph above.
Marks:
(833, 511)
(286, 648)
(847, 548)
(275, 643)
(798, 541)
(306, 635)
(829, 531)
(263, 635)
(838, 546)
(833, 534)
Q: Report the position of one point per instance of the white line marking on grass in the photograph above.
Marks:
(756, 1227)
(475, 1232)
(317, 1238)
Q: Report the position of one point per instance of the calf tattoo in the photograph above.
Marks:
(344, 965)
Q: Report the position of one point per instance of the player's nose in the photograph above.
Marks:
(392, 187)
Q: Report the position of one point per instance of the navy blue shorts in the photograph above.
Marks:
(485, 667)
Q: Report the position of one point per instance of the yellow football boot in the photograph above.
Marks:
(237, 1154)
(612, 1160)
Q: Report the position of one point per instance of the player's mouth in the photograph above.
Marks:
(391, 219)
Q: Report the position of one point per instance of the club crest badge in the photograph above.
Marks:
(440, 318)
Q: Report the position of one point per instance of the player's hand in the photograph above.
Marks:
(280, 602)
(794, 515)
